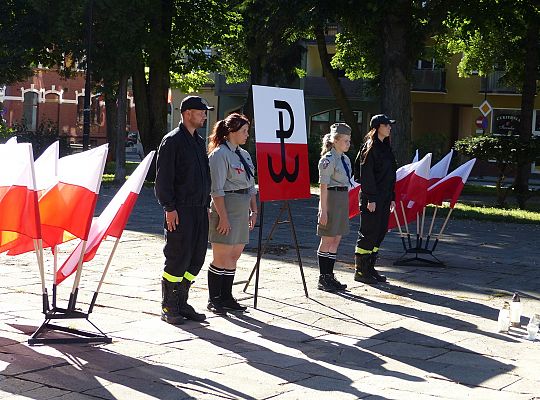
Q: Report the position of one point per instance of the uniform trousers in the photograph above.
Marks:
(374, 225)
(185, 247)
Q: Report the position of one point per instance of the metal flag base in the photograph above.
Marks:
(419, 250)
(77, 335)
(261, 249)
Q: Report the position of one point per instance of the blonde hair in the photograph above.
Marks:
(328, 141)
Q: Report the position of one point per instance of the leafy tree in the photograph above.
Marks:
(380, 41)
(501, 34)
(507, 151)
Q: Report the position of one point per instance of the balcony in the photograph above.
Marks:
(491, 84)
(429, 80)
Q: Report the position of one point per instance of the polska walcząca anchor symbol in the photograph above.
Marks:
(282, 135)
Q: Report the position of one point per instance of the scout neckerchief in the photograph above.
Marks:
(249, 173)
(347, 171)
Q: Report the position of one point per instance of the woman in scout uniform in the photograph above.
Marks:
(375, 166)
(335, 180)
(233, 210)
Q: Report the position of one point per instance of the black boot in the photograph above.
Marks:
(215, 283)
(326, 283)
(362, 274)
(183, 307)
(331, 262)
(227, 300)
(373, 271)
(169, 303)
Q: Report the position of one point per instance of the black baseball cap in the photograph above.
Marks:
(194, 103)
(379, 119)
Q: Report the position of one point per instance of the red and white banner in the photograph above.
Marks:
(18, 197)
(411, 190)
(112, 220)
(66, 209)
(439, 170)
(281, 143)
(449, 188)
(354, 199)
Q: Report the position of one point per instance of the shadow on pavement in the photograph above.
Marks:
(95, 371)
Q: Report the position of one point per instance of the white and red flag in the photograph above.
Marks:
(410, 190)
(18, 198)
(111, 222)
(66, 208)
(354, 199)
(449, 188)
(439, 170)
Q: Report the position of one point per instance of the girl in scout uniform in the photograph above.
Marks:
(233, 210)
(335, 180)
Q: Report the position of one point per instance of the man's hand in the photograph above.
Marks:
(171, 217)
(371, 206)
(323, 217)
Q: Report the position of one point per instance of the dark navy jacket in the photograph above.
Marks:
(182, 171)
(377, 174)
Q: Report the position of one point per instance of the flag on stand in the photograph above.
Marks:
(112, 220)
(354, 199)
(18, 198)
(450, 187)
(66, 208)
(439, 170)
(410, 190)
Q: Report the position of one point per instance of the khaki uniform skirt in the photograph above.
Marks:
(237, 206)
(338, 215)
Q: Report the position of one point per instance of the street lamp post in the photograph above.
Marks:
(86, 109)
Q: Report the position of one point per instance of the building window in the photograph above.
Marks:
(30, 110)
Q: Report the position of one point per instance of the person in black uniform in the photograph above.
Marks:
(376, 168)
(182, 188)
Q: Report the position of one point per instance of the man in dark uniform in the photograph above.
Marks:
(183, 190)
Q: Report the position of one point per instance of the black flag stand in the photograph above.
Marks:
(261, 249)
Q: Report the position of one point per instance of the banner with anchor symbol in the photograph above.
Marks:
(281, 143)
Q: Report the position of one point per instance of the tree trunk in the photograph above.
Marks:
(521, 181)
(110, 117)
(335, 85)
(120, 171)
(395, 83)
(141, 102)
(154, 108)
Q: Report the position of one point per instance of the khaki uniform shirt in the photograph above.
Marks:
(331, 169)
(228, 172)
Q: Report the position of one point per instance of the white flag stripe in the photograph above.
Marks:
(16, 164)
(462, 171)
(82, 169)
(47, 167)
(416, 157)
(419, 166)
(440, 169)
(12, 140)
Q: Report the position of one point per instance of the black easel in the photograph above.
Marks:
(261, 249)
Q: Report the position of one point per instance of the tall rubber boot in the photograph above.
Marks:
(215, 284)
(362, 274)
(228, 301)
(373, 271)
(169, 303)
(183, 307)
